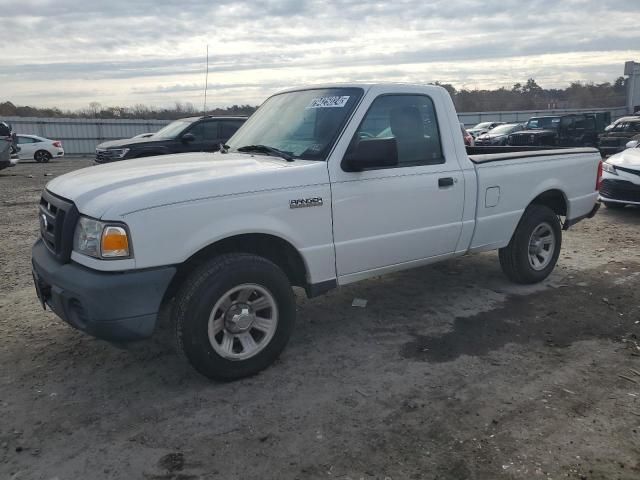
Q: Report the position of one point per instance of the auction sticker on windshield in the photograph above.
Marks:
(329, 102)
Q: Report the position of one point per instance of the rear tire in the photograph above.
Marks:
(42, 156)
(234, 315)
(614, 205)
(534, 248)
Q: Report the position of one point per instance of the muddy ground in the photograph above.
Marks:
(450, 372)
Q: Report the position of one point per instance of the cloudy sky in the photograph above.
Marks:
(68, 53)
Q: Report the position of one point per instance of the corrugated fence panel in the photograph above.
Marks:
(81, 135)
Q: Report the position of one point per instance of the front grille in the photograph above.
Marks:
(103, 156)
(58, 218)
(620, 190)
(522, 139)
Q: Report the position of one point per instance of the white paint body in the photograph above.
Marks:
(629, 160)
(30, 144)
(370, 223)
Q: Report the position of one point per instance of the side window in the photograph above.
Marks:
(210, 130)
(228, 128)
(581, 122)
(197, 131)
(411, 121)
(23, 140)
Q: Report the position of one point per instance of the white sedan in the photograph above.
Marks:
(621, 179)
(40, 149)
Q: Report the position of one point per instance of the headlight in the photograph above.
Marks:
(607, 167)
(101, 239)
(118, 152)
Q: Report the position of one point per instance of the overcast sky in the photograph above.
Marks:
(68, 53)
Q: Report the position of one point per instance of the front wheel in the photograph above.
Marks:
(234, 316)
(534, 248)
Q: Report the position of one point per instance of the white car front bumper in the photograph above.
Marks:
(621, 188)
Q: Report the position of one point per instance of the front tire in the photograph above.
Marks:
(42, 156)
(234, 316)
(534, 248)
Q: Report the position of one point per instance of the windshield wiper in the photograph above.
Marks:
(224, 148)
(268, 150)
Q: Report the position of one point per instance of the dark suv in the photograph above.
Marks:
(195, 134)
(575, 130)
(615, 139)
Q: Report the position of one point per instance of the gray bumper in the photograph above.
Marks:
(118, 306)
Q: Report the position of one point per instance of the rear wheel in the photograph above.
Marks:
(234, 316)
(534, 248)
(42, 156)
(614, 205)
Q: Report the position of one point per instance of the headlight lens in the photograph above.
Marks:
(101, 240)
(118, 152)
(607, 167)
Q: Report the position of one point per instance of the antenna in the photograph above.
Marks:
(206, 84)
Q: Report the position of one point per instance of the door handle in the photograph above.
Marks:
(445, 182)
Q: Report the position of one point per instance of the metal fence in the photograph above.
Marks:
(81, 135)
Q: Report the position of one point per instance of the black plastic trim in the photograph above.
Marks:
(570, 223)
(317, 289)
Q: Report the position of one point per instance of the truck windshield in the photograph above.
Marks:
(172, 130)
(543, 123)
(303, 124)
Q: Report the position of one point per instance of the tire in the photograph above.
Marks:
(614, 206)
(208, 304)
(539, 228)
(42, 156)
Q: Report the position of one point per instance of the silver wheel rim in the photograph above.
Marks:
(243, 322)
(542, 244)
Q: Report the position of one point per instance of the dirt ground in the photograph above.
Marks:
(450, 372)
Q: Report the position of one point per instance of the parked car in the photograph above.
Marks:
(8, 148)
(307, 193)
(616, 138)
(620, 120)
(498, 135)
(195, 134)
(621, 179)
(574, 130)
(40, 149)
(467, 137)
(483, 127)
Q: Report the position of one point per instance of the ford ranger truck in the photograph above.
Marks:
(321, 187)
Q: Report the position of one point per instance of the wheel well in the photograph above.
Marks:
(273, 248)
(41, 150)
(554, 199)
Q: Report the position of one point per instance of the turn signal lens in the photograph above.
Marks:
(115, 242)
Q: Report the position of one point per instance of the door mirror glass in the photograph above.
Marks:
(371, 153)
(188, 138)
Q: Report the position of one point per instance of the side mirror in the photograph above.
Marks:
(371, 153)
(633, 144)
(188, 138)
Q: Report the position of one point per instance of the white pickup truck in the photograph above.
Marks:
(321, 187)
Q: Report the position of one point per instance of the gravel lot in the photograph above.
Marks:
(450, 372)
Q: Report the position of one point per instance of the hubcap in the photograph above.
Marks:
(243, 322)
(542, 244)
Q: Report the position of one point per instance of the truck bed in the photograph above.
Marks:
(497, 154)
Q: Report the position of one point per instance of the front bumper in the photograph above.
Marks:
(114, 306)
(619, 190)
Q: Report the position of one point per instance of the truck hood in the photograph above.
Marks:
(535, 132)
(629, 158)
(113, 190)
(128, 142)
